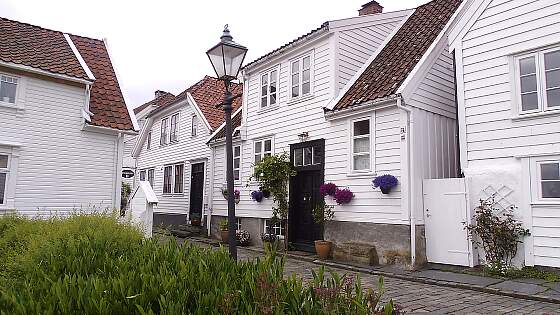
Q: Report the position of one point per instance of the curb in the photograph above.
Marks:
(471, 287)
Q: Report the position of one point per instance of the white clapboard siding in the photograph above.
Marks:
(546, 236)
(61, 167)
(188, 149)
(505, 28)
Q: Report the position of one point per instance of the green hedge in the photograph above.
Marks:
(96, 265)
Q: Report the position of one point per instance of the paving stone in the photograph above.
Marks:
(519, 287)
(456, 277)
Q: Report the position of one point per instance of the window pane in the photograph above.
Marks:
(305, 88)
(306, 75)
(267, 145)
(552, 60)
(257, 158)
(528, 84)
(142, 175)
(263, 102)
(551, 189)
(272, 99)
(258, 147)
(553, 79)
(295, 79)
(553, 97)
(361, 128)
(167, 179)
(307, 156)
(236, 175)
(529, 101)
(179, 179)
(550, 171)
(3, 161)
(2, 186)
(361, 145)
(295, 91)
(295, 67)
(264, 90)
(298, 157)
(273, 75)
(361, 162)
(236, 163)
(527, 66)
(236, 151)
(306, 62)
(264, 79)
(7, 92)
(151, 177)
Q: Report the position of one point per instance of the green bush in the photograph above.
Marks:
(96, 265)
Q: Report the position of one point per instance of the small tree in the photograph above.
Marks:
(497, 233)
(273, 174)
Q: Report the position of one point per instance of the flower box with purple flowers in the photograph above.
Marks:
(328, 189)
(385, 183)
(343, 196)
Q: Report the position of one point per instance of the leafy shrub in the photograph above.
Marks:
(96, 265)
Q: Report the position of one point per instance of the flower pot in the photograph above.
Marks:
(225, 236)
(195, 222)
(323, 249)
(385, 190)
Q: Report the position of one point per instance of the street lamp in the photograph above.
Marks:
(226, 58)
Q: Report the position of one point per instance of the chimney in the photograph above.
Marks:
(159, 93)
(371, 7)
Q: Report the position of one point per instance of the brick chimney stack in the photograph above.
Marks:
(159, 93)
(371, 7)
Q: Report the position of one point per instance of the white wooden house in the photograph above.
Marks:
(508, 76)
(62, 122)
(171, 151)
(390, 73)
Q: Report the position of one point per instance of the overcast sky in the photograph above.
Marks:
(161, 44)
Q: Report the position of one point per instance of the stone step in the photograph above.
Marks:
(186, 230)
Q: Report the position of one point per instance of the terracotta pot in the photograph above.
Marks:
(195, 222)
(323, 249)
(225, 236)
(385, 191)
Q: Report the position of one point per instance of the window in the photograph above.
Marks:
(194, 125)
(149, 140)
(305, 156)
(301, 76)
(269, 87)
(3, 178)
(172, 178)
(173, 133)
(361, 145)
(8, 87)
(550, 180)
(142, 176)
(538, 81)
(238, 223)
(237, 162)
(178, 182)
(151, 177)
(262, 148)
(277, 228)
(163, 135)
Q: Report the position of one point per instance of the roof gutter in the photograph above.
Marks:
(44, 72)
(352, 110)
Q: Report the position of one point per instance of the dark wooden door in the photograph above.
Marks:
(308, 159)
(197, 188)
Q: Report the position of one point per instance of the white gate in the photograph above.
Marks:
(445, 211)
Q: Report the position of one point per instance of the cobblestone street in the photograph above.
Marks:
(424, 298)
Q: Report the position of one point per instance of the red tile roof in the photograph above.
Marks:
(36, 47)
(164, 99)
(207, 93)
(48, 50)
(235, 122)
(397, 59)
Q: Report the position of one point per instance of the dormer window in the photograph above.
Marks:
(269, 88)
(8, 87)
(301, 76)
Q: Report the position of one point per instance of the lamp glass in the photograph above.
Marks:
(227, 58)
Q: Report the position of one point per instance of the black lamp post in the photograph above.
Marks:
(226, 58)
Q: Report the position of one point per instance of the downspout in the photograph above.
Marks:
(211, 192)
(118, 171)
(410, 173)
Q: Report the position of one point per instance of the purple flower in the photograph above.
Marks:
(343, 196)
(236, 193)
(257, 195)
(385, 181)
(327, 189)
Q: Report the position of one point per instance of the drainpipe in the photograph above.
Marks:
(118, 171)
(410, 173)
(210, 192)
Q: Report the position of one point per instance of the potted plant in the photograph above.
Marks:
(195, 219)
(328, 189)
(343, 196)
(385, 183)
(257, 195)
(323, 213)
(236, 194)
(224, 231)
(243, 238)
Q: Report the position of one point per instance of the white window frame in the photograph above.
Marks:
(152, 179)
(175, 132)
(240, 161)
(142, 175)
(7, 180)
(164, 136)
(238, 224)
(194, 125)
(149, 141)
(18, 87)
(269, 73)
(539, 180)
(12, 150)
(541, 83)
(173, 175)
(351, 153)
(263, 152)
(281, 228)
(299, 60)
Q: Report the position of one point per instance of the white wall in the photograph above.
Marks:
(187, 150)
(61, 168)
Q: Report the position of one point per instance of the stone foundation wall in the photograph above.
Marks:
(169, 219)
(252, 225)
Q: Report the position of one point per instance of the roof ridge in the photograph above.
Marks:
(47, 29)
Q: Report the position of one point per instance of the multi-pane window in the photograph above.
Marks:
(238, 224)
(305, 156)
(269, 87)
(194, 125)
(550, 180)
(361, 145)
(163, 135)
(173, 130)
(262, 148)
(172, 178)
(538, 81)
(3, 178)
(301, 77)
(167, 177)
(276, 228)
(237, 162)
(142, 176)
(178, 182)
(151, 177)
(149, 141)
(8, 87)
